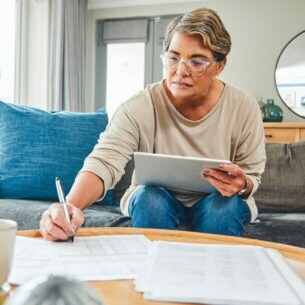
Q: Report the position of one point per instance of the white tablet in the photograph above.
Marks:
(174, 172)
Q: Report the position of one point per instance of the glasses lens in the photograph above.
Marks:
(171, 62)
(197, 66)
(194, 66)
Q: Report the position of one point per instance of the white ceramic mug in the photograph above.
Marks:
(8, 230)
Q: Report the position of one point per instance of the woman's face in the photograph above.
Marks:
(180, 82)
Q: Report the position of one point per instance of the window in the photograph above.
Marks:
(291, 86)
(7, 50)
(127, 58)
(125, 73)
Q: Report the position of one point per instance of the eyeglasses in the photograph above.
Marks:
(194, 66)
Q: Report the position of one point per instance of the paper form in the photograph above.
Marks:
(87, 258)
(216, 274)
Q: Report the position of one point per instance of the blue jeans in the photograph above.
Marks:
(156, 207)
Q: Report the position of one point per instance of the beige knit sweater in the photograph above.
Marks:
(149, 122)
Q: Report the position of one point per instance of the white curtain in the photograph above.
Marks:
(67, 60)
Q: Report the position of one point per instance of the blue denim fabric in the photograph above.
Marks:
(156, 207)
(37, 145)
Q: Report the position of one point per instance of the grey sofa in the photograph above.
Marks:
(281, 196)
(280, 200)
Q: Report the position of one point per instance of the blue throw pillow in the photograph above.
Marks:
(36, 146)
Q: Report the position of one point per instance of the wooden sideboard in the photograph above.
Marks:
(284, 132)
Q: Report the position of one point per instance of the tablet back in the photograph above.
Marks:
(174, 172)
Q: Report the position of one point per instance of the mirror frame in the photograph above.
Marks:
(277, 62)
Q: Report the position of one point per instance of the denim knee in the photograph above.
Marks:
(155, 207)
(221, 215)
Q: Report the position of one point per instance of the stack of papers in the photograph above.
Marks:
(94, 258)
(166, 271)
(219, 274)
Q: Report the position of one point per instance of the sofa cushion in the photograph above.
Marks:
(283, 182)
(37, 145)
(27, 214)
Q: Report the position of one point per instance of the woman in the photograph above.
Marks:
(190, 113)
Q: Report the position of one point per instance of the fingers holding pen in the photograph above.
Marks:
(54, 225)
(59, 219)
(57, 223)
(77, 217)
(43, 229)
(49, 229)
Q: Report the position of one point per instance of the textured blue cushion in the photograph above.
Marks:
(36, 146)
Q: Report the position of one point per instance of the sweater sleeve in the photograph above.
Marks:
(250, 153)
(125, 134)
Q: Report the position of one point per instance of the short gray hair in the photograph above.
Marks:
(205, 24)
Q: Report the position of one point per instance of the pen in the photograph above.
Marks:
(62, 200)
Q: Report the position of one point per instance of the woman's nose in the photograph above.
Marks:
(182, 68)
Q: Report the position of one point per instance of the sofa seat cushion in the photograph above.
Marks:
(286, 228)
(105, 216)
(27, 214)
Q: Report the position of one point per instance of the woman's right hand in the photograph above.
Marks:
(54, 225)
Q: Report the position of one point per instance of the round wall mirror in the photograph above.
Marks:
(290, 75)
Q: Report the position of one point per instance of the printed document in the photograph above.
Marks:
(91, 258)
(219, 274)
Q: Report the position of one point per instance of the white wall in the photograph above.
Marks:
(259, 30)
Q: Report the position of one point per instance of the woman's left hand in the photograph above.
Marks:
(228, 179)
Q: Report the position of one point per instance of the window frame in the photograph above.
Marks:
(153, 48)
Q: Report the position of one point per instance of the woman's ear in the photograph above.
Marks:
(220, 66)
